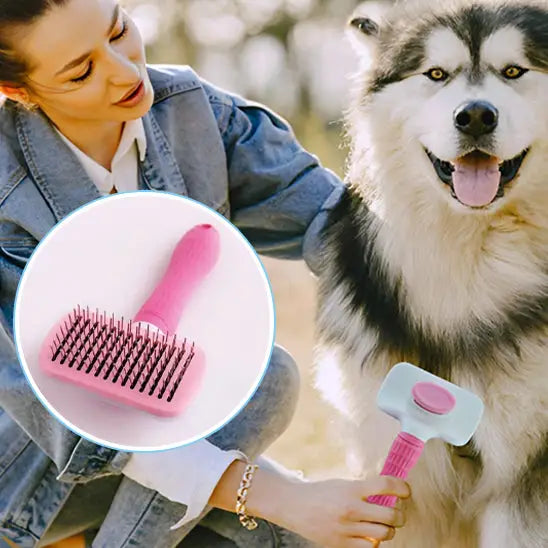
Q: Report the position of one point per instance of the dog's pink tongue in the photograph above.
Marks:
(476, 180)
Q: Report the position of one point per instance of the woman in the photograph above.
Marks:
(85, 116)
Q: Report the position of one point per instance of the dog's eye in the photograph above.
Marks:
(513, 71)
(365, 25)
(437, 74)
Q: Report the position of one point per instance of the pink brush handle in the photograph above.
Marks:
(403, 455)
(193, 258)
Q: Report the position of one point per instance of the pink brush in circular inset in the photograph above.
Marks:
(139, 362)
(427, 407)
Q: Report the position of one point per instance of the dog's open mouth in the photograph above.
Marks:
(477, 178)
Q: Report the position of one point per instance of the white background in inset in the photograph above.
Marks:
(109, 255)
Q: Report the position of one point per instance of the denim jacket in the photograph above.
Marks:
(233, 155)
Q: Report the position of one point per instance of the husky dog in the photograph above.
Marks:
(437, 254)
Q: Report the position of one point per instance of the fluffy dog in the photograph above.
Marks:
(437, 254)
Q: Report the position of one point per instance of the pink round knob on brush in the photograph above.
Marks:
(433, 398)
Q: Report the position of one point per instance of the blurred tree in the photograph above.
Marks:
(288, 54)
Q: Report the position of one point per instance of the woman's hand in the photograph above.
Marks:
(332, 513)
(335, 514)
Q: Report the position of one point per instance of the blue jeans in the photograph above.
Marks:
(264, 419)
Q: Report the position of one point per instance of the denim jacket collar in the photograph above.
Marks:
(56, 174)
(159, 165)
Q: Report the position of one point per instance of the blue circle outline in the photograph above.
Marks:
(76, 430)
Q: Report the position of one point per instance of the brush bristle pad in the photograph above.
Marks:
(123, 361)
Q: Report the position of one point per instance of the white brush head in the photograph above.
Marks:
(455, 424)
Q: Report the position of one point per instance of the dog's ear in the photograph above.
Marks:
(364, 27)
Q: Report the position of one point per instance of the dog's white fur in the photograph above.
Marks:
(456, 263)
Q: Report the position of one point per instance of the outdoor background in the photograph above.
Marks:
(292, 56)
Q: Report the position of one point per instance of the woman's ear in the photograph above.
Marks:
(17, 94)
(364, 28)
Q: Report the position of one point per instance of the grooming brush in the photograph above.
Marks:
(427, 407)
(139, 362)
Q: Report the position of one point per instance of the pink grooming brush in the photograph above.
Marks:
(427, 407)
(130, 361)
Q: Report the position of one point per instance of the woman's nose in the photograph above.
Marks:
(123, 70)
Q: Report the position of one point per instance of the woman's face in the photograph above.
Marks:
(84, 59)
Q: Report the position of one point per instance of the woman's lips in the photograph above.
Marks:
(133, 97)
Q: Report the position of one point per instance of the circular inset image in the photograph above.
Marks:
(144, 321)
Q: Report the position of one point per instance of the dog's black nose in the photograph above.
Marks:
(476, 118)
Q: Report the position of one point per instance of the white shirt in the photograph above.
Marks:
(188, 474)
(124, 168)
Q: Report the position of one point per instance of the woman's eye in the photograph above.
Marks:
(118, 36)
(122, 33)
(437, 74)
(513, 71)
(84, 76)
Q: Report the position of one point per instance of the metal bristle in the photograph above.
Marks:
(181, 374)
(116, 350)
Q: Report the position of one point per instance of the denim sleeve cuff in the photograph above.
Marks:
(312, 242)
(90, 461)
